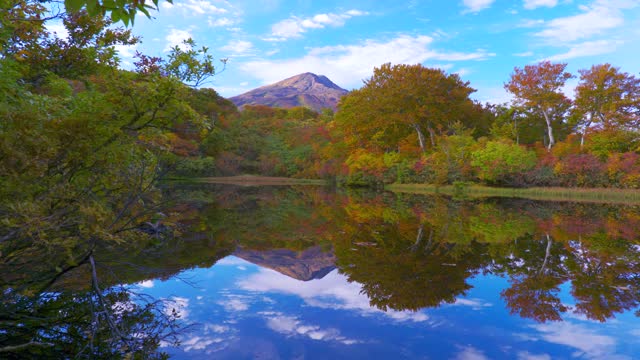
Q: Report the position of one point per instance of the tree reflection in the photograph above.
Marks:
(422, 252)
(410, 252)
(400, 272)
(536, 271)
(96, 323)
(58, 301)
(605, 280)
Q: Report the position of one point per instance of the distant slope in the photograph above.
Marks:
(314, 91)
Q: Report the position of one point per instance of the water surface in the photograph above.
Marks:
(320, 274)
(313, 273)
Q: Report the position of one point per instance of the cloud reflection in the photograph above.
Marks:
(587, 342)
(147, 284)
(177, 306)
(333, 291)
(475, 304)
(292, 326)
(470, 353)
(525, 355)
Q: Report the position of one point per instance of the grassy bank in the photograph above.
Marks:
(623, 196)
(256, 180)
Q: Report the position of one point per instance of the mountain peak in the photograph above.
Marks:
(307, 89)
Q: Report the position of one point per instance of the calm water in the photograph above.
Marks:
(316, 274)
(309, 273)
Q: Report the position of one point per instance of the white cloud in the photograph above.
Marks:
(218, 329)
(234, 303)
(294, 27)
(348, 65)
(529, 23)
(475, 304)
(524, 54)
(569, 88)
(588, 342)
(200, 7)
(237, 48)
(176, 37)
(199, 342)
(146, 284)
(533, 4)
(525, 355)
(233, 261)
(220, 22)
(595, 19)
(588, 48)
(229, 91)
(333, 291)
(178, 306)
(492, 95)
(59, 29)
(470, 353)
(291, 326)
(473, 6)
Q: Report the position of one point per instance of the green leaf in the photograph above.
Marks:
(92, 7)
(73, 5)
(115, 16)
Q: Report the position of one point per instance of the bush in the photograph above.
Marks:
(581, 170)
(499, 161)
(623, 170)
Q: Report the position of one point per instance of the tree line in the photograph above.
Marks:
(413, 124)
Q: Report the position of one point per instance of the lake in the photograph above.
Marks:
(307, 272)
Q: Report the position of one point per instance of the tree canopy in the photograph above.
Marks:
(399, 101)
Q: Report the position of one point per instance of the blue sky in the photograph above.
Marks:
(481, 40)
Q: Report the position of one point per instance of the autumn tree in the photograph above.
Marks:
(608, 98)
(399, 100)
(539, 88)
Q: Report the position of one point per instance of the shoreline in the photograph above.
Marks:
(593, 195)
(254, 180)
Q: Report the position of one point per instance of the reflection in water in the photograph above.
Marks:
(318, 273)
(91, 323)
(411, 252)
(311, 263)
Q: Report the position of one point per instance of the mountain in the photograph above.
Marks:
(314, 91)
(309, 264)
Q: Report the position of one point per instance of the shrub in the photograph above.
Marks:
(605, 142)
(623, 170)
(582, 170)
(498, 161)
